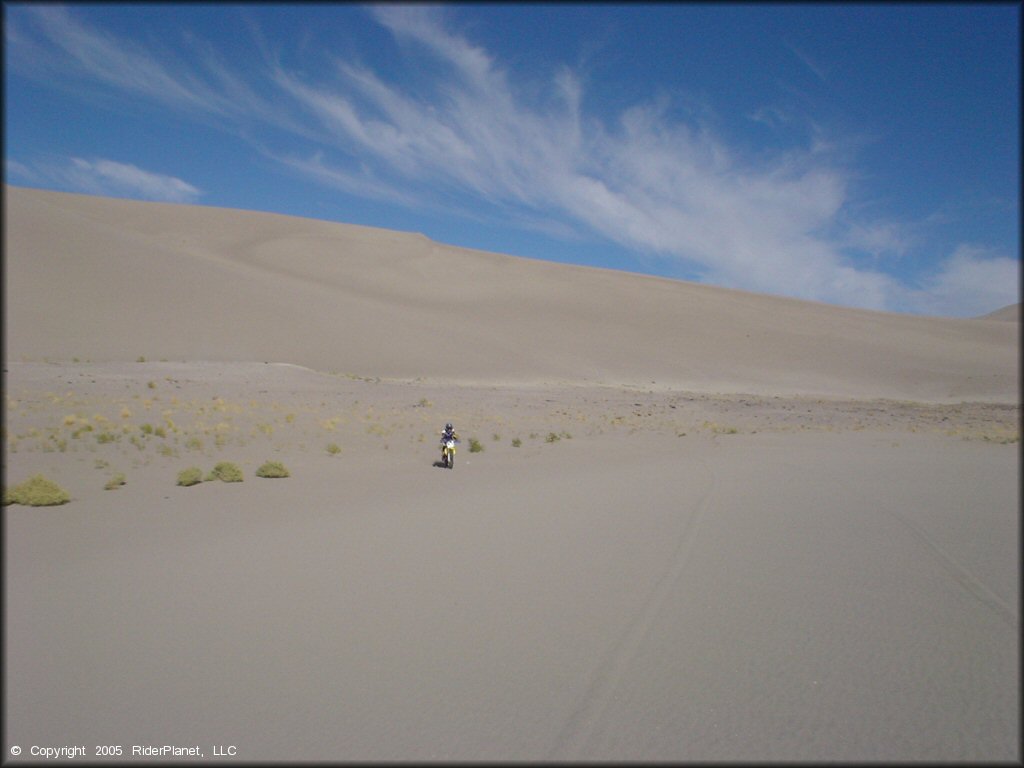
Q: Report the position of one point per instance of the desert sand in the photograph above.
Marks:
(700, 524)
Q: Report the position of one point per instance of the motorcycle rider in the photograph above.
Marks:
(448, 434)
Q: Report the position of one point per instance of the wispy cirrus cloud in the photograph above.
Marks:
(112, 179)
(645, 182)
(471, 134)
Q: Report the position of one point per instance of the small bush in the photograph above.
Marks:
(552, 438)
(190, 476)
(333, 449)
(114, 483)
(272, 469)
(474, 445)
(516, 442)
(228, 472)
(37, 491)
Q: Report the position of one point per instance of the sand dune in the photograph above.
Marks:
(701, 525)
(1010, 313)
(229, 285)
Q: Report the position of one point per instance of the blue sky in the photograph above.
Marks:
(859, 155)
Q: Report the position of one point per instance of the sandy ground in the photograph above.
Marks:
(703, 526)
(676, 577)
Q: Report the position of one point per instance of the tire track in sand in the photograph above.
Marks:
(577, 730)
(967, 580)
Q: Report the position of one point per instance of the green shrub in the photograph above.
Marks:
(37, 491)
(474, 445)
(228, 472)
(190, 476)
(516, 442)
(272, 469)
(552, 438)
(114, 483)
(333, 449)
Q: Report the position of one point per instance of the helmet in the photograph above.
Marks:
(448, 426)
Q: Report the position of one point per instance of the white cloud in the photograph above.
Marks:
(107, 177)
(645, 182)
(19, 171)
(820, 71)
(970, 283)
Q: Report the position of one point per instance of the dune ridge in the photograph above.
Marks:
(218, 284)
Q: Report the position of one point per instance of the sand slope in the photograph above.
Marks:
(106, 279)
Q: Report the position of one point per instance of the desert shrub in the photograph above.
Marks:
(37, 491)
(106, 437)
(146, 429)
(114, 483)
(516, 442)
(474, 445)
(227, 471)
(272, 469)
(333, 448)
(190, 476)
(496, 437)
(552, 438)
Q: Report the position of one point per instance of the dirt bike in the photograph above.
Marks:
(448, 452)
